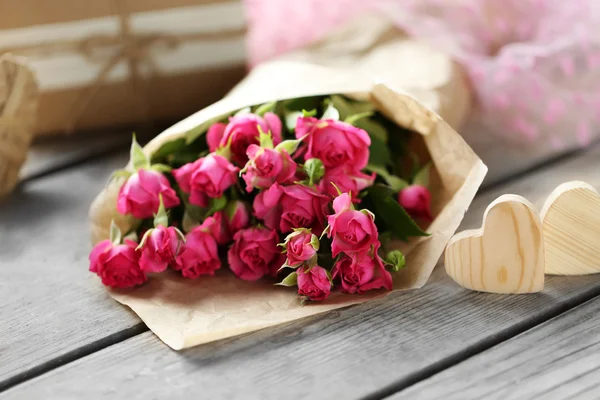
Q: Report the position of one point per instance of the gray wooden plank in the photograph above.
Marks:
(559, 359)
(371, 350)
(56, 153)
(50, 304)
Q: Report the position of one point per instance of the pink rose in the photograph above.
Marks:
(216, 225)
(140, 195)
(313, 283)
(206, 177)
(288, 207)
(214, 135)
(200, 255)
(237, 215)
(242, 131)
(117, 265)
(361, 272)
(300, 247)
(335, 143)
(267, 166)
(254, 253)
(347, 181)
(352, 231)
(160, 249)
(416, 200)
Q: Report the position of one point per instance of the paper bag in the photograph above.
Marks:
(185, 313)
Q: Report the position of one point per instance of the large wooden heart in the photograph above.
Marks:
(506, 255)
(571, 227)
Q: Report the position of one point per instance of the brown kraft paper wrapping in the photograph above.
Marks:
(185, 313)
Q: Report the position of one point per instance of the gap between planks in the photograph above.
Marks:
(483, 345)
(73, 355)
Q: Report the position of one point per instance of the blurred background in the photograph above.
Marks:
(515, 77)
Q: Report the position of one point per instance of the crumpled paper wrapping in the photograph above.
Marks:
(19, 94)
(185, 313)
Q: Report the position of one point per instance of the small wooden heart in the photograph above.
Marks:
(571, 228)
(506, 255)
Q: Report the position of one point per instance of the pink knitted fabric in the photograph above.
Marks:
(534, 64)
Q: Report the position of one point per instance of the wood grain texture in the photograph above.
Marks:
(372, 349)
(571, 226)
(49, 303)
(505, 255)
(556, 360)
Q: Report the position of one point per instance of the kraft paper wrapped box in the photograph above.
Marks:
(108, 63)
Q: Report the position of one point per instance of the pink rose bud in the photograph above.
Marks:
(267, 166)
(361, 272)
(352, 231)
(300, 246)
(117, 265)
(347, 181)
(242, 131)
(200, 255)
(159, 249)
(237, 214)
(416, 200)
(215, 135)
(140, 195)
(207, 177)
(314, 283)
(289, 207)
(254, 254)
(216, 225)
(336, 143)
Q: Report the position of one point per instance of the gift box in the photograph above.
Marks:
(120, 62)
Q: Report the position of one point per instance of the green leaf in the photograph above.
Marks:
(353, 119)
(115, 233)
(161, 217)
(302, 103)
(396, 260)
(373, 128)
(314, 169)
(264, 139)
(291, 119)
(138, 159)
(120, 173)
(347, 107)
(217, 204)
(161, 168)
(314, 242)
(392, 214)
(310, 113)
(395, 182)
(379, 153)
(265, 108)
(290, 146)
(290, 280)
(243, 111)
(169, 148)
(331, 113)
(188, 223)
(422, 176)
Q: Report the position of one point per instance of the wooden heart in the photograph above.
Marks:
(571, 228)
(506, 255)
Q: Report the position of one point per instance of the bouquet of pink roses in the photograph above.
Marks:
(302, 176)
(302, 191)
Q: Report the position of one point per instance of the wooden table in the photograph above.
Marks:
(62, 337)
